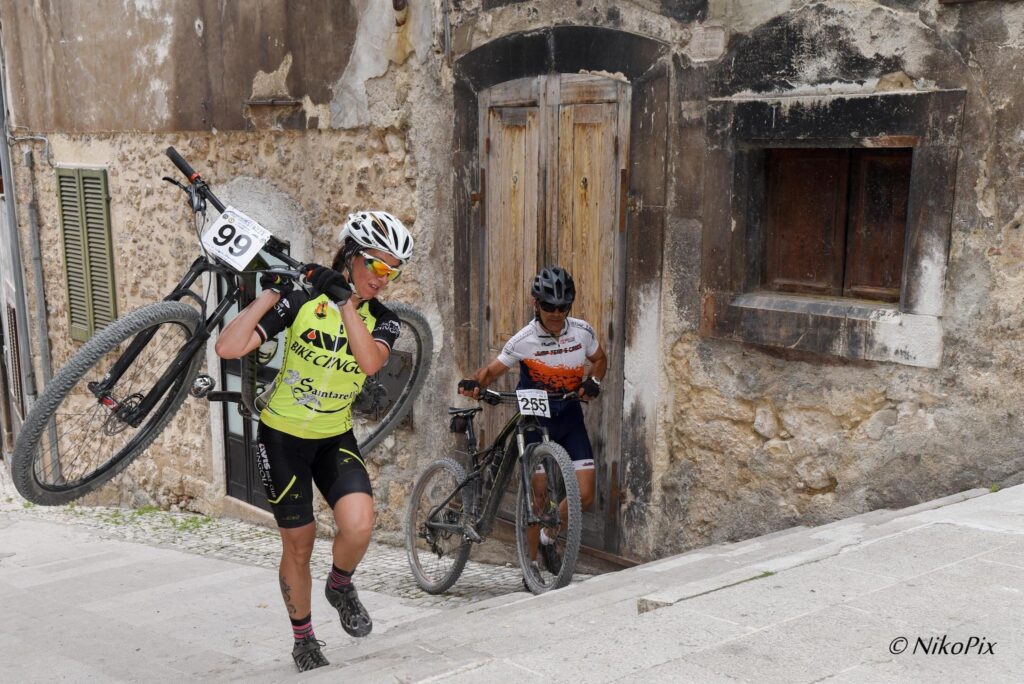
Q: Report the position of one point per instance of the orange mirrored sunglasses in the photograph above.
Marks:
(379, 267)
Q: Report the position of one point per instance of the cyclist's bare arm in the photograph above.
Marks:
(239, 337)
(598, 367)
(370, 354)
(484, 377)
(598, 363)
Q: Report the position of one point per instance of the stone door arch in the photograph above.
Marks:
(644, 66)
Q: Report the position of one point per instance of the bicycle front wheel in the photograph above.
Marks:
(434, 541)
(552, 496)
(388, 395)
(73, 441)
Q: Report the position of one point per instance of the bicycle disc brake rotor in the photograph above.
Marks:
(115, 424)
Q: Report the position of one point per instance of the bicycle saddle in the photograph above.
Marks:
(465, 412)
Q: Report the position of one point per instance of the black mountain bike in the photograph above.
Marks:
(450, 509)
(118, 392)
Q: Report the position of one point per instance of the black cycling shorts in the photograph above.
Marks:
(568, 430)
(290, 465)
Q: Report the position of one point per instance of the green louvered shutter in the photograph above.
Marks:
(96, 203)
(88, 251)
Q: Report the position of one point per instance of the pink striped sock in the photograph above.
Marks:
(339, 578)
(303, 628)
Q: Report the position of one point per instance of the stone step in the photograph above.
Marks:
(671, 580)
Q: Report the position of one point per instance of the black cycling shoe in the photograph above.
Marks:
(307, 654)
(551, 558)
(354, 618)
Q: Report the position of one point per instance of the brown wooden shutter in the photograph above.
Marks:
(805, 241)
(88, 254)
(879, 193)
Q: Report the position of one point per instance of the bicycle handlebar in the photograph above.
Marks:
(200, 187)
(182, 165)
(494, 397)
(195, 180)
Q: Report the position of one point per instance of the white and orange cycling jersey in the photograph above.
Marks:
(548, 362)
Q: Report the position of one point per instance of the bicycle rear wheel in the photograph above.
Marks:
(556, 483)
(388, 395)
(437, 556)
(71, 441)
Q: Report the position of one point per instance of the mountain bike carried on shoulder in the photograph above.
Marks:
(449, 509)
(117, 393)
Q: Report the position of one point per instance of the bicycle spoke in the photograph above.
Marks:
(387, 397)
(548, 510)
(435, 540)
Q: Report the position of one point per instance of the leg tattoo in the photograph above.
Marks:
(286, 592)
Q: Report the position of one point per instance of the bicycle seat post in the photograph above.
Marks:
(471, 435)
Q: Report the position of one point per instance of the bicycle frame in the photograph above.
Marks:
(135, 415)
(479, 526)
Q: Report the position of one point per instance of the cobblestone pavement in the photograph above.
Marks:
(384, 569)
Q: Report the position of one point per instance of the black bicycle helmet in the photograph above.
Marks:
(554, 285)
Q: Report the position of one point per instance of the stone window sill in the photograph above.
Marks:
(854, 329)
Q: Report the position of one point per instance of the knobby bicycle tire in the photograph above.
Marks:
(438, 562)
(552, 456)
(66, 408)
(411, 359)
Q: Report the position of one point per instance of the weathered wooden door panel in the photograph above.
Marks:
(586, 244)
(553, 149)
(511, 236)
(510, 154)
(587, 193)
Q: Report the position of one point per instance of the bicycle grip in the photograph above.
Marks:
(182, 165)
(338, 293)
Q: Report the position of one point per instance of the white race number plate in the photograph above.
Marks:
(234, 238)
(533, 403)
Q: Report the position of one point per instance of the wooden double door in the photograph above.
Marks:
(553, 153)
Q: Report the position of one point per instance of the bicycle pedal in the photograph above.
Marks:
(471, 534)
(202, 385)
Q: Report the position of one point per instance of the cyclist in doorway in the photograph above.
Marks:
(552, 351)
(305, 432)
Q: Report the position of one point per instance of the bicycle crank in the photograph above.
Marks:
(202, 385)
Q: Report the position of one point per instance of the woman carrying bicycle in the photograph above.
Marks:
(305, 434)
(552, 351)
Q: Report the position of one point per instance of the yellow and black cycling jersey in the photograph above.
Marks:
(319, 378)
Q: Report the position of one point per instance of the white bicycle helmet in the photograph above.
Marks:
(379, 230)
